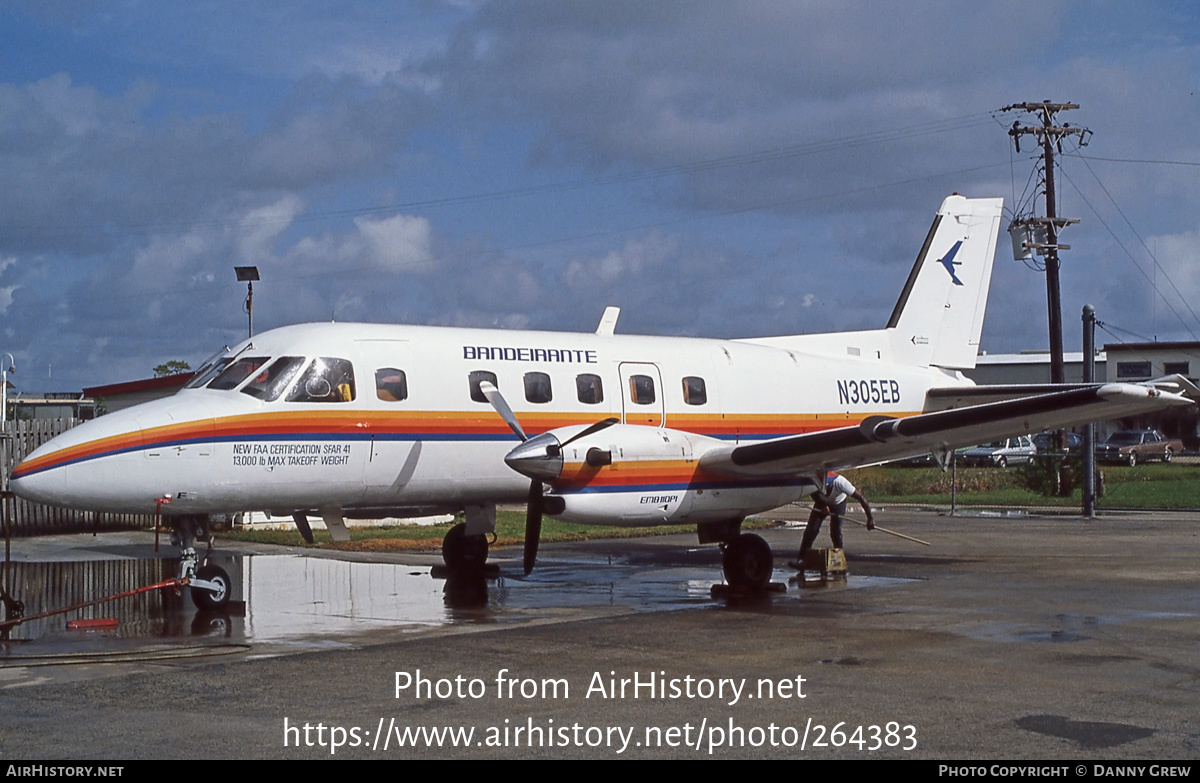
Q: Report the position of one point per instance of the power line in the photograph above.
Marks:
(1129, 255)
(1152, 256)
(385, 266)
(1133, 160)
(705, 165)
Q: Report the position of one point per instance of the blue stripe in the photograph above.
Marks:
(684, 486)
(359, 436)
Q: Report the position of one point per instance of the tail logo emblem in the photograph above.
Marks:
(949, 262)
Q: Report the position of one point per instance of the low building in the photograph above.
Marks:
(51, 405)
(1135, 362)
(1030, 367)
(1118, 362)
(116, 396)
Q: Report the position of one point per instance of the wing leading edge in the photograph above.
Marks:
(882, 439)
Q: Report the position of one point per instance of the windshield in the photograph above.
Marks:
(238, 372)
(213, 365)
(208, 372)
(267, 378)
(1125, 439)
(274, 378)
(325, 380)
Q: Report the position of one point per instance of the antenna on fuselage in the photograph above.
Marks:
(608, 321)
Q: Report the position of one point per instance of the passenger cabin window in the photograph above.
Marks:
(274, 378)
(537, 387)
(391, 385)
(325, 380)
(237, 372)
(641, 389)
(694, 392)
(589, 388)
(477, 377)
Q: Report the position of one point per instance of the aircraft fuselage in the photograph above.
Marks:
(400, 428)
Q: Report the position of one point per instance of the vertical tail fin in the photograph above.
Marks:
(939, 316)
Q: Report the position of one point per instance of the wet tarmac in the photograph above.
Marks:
(1026, 638)
(306, 601)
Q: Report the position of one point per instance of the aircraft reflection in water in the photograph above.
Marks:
(289, 598)
(346, 420)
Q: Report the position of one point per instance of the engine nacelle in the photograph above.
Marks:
(636, 475)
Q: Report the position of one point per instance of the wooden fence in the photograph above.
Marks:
(45, 586)
(19, 438)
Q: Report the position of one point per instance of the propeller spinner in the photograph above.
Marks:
(539, 458)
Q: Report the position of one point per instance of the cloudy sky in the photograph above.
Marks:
(717, 169)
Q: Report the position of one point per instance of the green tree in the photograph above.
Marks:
(172, 367)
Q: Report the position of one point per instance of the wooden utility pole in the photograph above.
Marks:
(1049, 136)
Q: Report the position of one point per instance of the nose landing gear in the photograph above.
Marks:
(210, 584)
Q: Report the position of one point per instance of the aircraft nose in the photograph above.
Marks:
(539, 458)
(39, 486)
(61, 472)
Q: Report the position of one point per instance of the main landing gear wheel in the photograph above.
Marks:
(215, 597)
(463, 552)
(748, 562)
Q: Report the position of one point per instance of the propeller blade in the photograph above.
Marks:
(497, 400)
(533, 524)
(592, 430)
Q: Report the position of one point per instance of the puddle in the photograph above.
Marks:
(297, 602)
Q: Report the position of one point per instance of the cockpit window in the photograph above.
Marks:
(274, 378)
(325, 380)
(208, 372)
(237, 372)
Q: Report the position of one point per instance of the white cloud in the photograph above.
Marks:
(396, 244)
(400, 242)
(622, 265)
(260, 228)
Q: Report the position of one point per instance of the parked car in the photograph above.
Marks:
(1134, 446)
(1002, 453)
(925, 460)
(1045, 442)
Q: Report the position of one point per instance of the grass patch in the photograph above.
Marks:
(510, 531)
(1157, 485)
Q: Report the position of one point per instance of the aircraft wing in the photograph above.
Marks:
(882, 439)
(962, 396)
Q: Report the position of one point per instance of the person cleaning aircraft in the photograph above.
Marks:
(831, 503)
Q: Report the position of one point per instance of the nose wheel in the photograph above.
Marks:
(210, 587)
(210, 584)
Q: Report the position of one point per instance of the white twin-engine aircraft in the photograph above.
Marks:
(366, 420)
